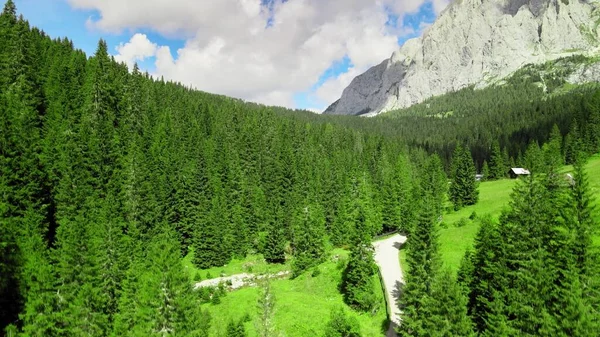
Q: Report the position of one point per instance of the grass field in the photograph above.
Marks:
(494, 196)
(302, 305)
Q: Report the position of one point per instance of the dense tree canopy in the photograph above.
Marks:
(108, 177)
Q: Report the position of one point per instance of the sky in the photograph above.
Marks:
(292, 53)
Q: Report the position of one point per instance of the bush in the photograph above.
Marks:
(473, 216)
(462, 222)
(204, 294)
(443, 225)
(340, 325)
(216, 298)
(316, 272)
(236, 329)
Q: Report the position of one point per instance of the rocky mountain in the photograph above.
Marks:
(477, 42)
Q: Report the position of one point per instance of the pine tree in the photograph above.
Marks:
(534, 160)
(553, 154)
(448, 307)
(422, 268)
(162, 302)
(463, 190)
(434, 185)
(309, 238)
(274, 250)
(209, 248)
(357, 280)
(485, 171)
(573, 144)
(497, 165)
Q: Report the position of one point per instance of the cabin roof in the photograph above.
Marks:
(520, 171)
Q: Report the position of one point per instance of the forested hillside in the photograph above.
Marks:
(109, 178)
(510, 114)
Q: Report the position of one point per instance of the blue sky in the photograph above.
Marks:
(59, 18)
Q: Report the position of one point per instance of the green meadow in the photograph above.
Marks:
(457, 231)
(302, 305)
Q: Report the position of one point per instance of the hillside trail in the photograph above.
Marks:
(388, 260)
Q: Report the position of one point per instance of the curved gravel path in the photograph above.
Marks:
(388, 261)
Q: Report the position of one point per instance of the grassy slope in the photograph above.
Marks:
(493, 197)
(303, 305)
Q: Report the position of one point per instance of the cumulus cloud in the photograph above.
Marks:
(259, 50)
(137, 49)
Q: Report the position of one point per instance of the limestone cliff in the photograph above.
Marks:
(476, 42)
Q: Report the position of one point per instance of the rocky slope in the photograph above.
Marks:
(477, 42)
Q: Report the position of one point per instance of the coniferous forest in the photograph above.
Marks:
(109, 177)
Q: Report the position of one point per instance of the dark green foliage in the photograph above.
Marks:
(526, 274)
(422, 267)
(497, 165)
(309, 239)
(485, 171)
(274, 250)
(340, 325)
(160, 297)
(463, 190)
(434, 186)
(236, 329)
(447, 308)
(357, 280)
(108, 177)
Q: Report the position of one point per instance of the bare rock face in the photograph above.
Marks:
(476, 42)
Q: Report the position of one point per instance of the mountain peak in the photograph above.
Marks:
(473, 42)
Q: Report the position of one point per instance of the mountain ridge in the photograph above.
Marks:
(475, 42)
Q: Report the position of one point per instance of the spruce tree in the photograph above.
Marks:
(463, 190)
(165, 302)
(357, 280)
(421, 270)
(309, 238)
(497, 165)
(274, 250)
(448, 307)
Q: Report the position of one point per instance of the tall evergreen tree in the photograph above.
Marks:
(497, 165)
(463, 190)
(162, 302)
(274, 250)
(309, 238)
(357, 280)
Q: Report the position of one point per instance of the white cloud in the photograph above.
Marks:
(137, 49)
(231, 50)
(440, 5)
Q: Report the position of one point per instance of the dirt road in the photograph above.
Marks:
(388, 261)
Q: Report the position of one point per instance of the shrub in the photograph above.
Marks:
(316, 272)
(462, 222)
(341, 325)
